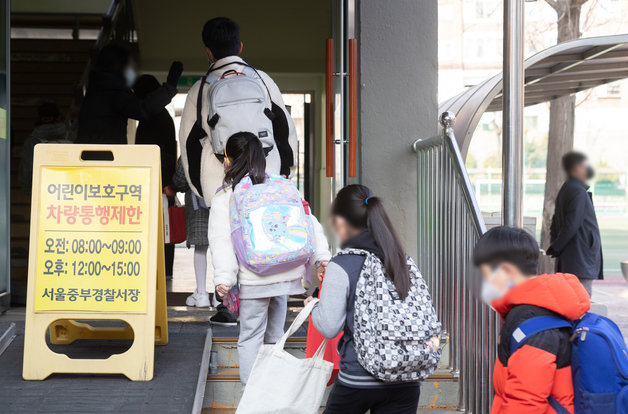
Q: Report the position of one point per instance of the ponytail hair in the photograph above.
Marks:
(362, 210)
(244, 152)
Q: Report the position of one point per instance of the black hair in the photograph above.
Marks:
(356, 204)
(221, 35)
(571, 159)
(144, 85)
(113, 58)
(508, 244)
(48, 110)
(246, 157)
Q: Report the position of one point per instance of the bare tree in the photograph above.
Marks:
(561, 126)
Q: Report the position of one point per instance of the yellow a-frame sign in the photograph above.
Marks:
(96, 253)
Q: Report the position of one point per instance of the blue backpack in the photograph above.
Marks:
(599, 362)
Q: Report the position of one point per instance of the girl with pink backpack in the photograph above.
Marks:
(263, 240)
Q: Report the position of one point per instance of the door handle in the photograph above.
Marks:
(329, 107)
(353, 106)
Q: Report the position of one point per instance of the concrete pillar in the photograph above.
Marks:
(398, 68)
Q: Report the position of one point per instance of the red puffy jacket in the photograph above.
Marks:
(542, 366)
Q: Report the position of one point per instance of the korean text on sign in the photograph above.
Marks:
(92, 239)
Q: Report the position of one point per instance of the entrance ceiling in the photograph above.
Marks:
(279, 36)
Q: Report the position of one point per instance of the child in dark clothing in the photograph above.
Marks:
(360, 222)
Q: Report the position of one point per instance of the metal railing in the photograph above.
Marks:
(449, 225)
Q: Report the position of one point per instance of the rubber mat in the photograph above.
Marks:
(171, 390)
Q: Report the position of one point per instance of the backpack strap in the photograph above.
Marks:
(533, 326)
(558, 407)
(199, 98)
(354, 251)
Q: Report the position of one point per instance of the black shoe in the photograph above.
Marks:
(224, 318)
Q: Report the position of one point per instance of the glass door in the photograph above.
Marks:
(341, 97)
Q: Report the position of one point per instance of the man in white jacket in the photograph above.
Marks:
(221, 37)
(223, 46)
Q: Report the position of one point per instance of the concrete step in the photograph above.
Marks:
(419, 411)
(223, 389)
(226, 349)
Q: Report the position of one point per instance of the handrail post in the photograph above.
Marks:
(512, 121)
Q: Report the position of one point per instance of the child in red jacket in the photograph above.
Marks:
(541, 368)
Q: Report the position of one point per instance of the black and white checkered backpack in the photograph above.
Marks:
(394, 340)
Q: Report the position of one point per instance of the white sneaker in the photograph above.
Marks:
(198, 299)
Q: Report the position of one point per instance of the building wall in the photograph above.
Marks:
(398, 64)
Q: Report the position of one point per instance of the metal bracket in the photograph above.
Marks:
(7, 337)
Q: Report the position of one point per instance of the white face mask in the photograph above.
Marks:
(130, 76)
(490, 293)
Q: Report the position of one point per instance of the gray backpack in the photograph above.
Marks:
(239, 101)
(395, 340)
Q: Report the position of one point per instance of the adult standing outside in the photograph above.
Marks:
(575, 236)
(109, 101)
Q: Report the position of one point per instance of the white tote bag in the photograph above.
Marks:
(281, 383)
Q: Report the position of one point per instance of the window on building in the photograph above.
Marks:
(482, 48)
(486, 9)
(445, 50)
(610, 90)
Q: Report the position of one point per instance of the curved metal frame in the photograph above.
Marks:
(565, 64)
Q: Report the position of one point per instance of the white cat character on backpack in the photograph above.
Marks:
(232, 97)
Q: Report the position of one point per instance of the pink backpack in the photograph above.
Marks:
(270, 227)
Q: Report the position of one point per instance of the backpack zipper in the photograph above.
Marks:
(580, 331)
(239, 101)
(598, 333)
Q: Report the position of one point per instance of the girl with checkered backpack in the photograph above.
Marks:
(375, 295)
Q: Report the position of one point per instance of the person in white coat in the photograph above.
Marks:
(221, 37)
(263, 299)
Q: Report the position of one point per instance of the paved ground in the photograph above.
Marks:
(183, 272)
(613, 293)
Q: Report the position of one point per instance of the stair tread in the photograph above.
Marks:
(233, 374)
(234, 339)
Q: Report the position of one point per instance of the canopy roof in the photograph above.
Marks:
(560, 70)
